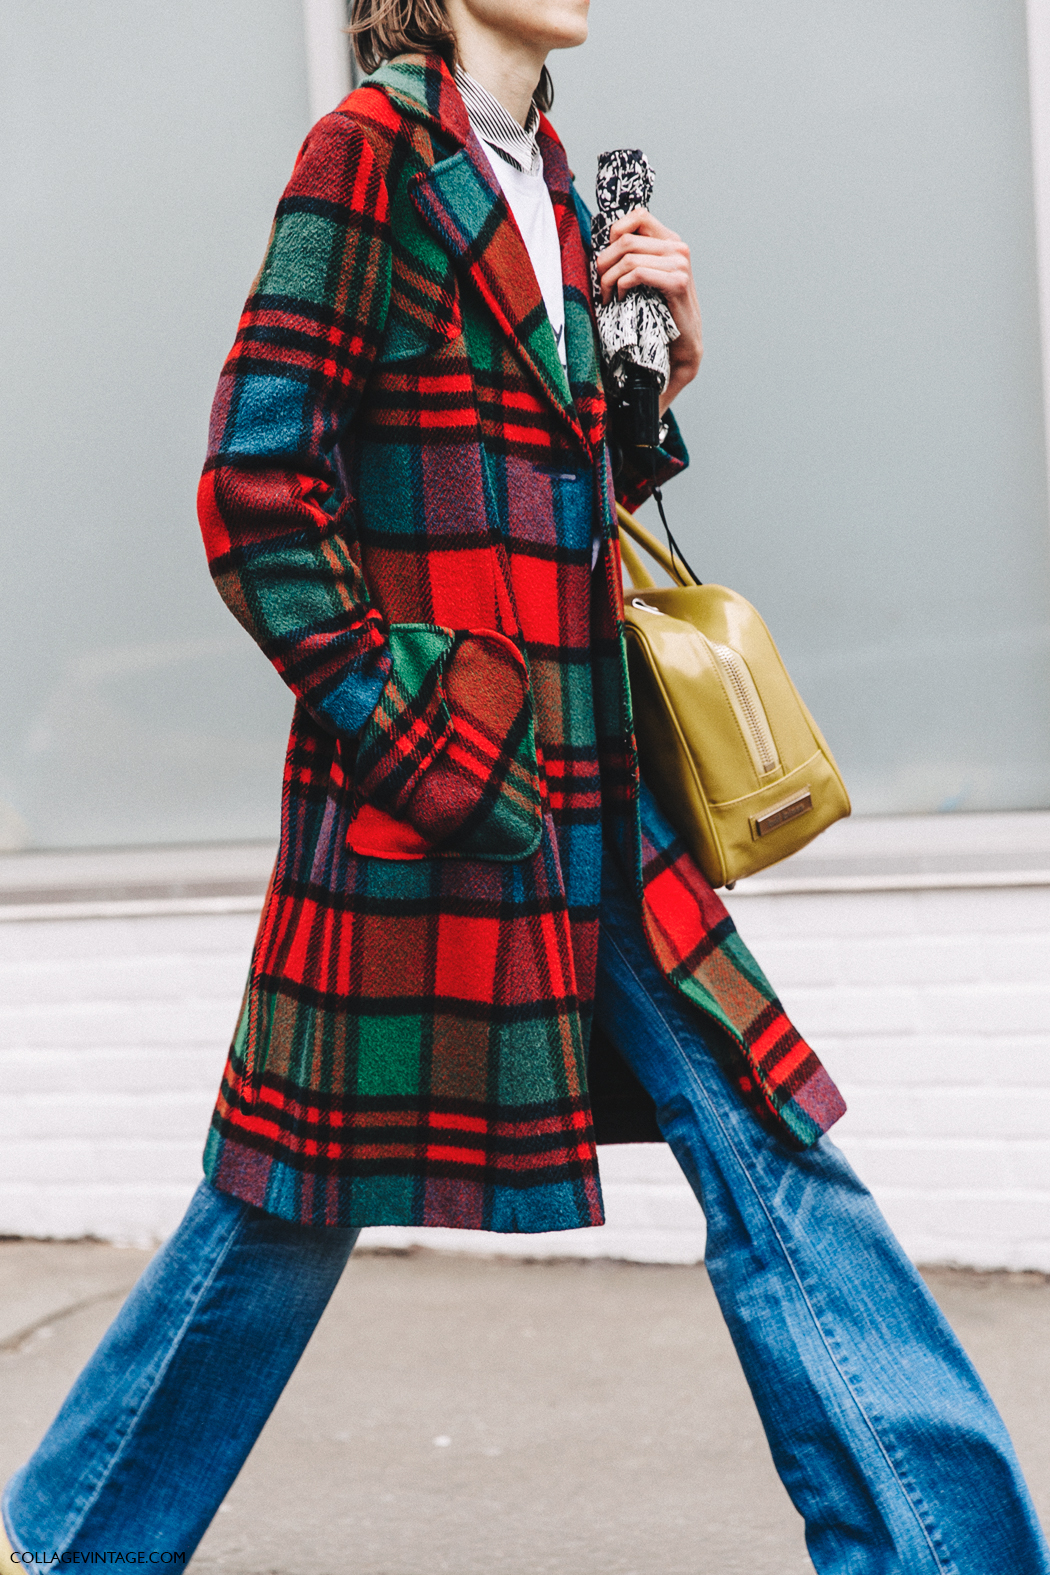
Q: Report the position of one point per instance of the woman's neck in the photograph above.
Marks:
(508, 67)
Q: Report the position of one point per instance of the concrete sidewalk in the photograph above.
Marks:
(459, 1416)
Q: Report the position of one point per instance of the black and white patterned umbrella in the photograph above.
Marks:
(639, 328)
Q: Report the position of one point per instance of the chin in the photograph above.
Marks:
(563, 22)
(571, 38)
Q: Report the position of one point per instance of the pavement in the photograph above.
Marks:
(492, 1416)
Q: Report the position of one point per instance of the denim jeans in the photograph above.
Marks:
(880, 1428)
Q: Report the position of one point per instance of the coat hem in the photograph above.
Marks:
(354, 1201)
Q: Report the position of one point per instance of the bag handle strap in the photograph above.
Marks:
(638, 574)
(636, 531)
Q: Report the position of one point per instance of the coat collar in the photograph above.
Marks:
(460, 200)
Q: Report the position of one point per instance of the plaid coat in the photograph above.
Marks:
(398, 504)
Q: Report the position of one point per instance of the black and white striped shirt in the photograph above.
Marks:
(496, 127)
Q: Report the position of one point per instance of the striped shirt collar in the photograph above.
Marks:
(498, 129)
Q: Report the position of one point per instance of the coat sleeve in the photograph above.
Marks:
(635, 483)
(278, 523)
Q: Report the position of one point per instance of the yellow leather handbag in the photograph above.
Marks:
(728, 748)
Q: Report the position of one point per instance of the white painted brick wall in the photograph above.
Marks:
(931, 1008)
(932, 1011)
(112, 1041)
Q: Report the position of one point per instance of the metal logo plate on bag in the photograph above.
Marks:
(791, 810)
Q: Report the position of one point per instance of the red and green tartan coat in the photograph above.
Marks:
(398, 505)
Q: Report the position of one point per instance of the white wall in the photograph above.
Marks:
(328, 73)
(1038, 18)
(111, 1047)
(926, 991)
(932, 1011)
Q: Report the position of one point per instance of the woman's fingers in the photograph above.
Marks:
(660, 280)
(641, 245)
(642, 251)
(670, 256)
(637, 242)
(640, 222)
(668, 271)
(658, 245)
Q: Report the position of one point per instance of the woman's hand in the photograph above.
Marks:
(643, 251)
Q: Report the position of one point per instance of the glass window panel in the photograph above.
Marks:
(145, 147)
(866, 433)
(855, 182)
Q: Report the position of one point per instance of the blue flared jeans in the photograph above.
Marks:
(883, 1434)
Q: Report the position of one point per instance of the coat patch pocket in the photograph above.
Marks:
(471, 788)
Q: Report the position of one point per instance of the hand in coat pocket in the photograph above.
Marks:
(487, 694)
(449, 766)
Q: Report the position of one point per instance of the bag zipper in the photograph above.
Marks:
(734, 669)
(734, 673)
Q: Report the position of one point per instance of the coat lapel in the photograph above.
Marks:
(460, 200)
(581, 329)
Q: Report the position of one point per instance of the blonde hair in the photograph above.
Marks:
(383, 29)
